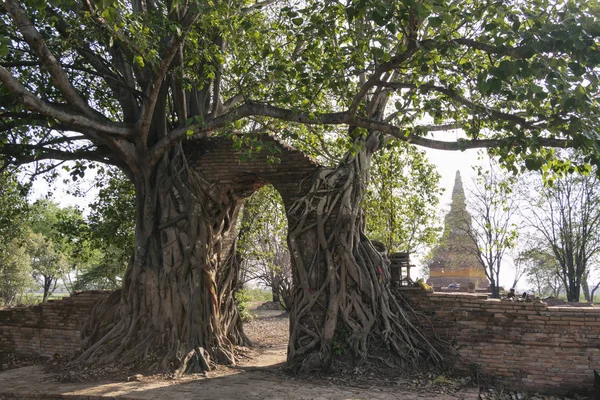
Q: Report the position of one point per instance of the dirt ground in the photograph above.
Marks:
(260, 374)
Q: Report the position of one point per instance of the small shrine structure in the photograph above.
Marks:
(455, 265)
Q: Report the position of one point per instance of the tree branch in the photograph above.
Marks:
(76, 121)
(452, 94)
(153, 90)
(385, 67)
(441, 127)
(125, 93)
(15, 151)
(51, 64)
(340, 118)
(232, 102)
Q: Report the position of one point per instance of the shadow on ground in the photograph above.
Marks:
(261, 379)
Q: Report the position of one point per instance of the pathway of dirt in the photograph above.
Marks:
(259, 377)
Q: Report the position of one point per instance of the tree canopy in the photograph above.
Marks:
(401, 200)
(515, 76)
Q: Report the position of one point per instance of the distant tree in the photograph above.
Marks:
(15, 269)
(13, 208)
(566, 215)
(588, 289)
(15, 272)
(59, 244)
(71, 235)
(541, 269)
(262, 244)
(401, 199)
(519, 273)
(112, 227)
(48, 264)
(492, 228)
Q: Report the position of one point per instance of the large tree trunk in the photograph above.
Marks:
(176, 308)
(343, 304)
(585, 287)
(275, 286)
(572, 286)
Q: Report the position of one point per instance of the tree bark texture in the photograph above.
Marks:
(343, 304)
(176, 309)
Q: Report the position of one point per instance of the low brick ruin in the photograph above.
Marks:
(524, 346)
(47, 329)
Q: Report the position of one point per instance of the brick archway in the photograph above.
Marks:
(217, 161)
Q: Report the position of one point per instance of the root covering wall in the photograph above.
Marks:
(49, 328)
(526, 346)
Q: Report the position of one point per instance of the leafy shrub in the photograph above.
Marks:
(258, 295)
(241, 300)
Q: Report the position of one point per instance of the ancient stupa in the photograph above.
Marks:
(454, 260)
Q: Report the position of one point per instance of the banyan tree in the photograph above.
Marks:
(128, 83)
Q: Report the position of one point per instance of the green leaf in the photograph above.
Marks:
(110, 15)
(139, 61)
(435, 22)
(534, 164)
(490, 27)
(576, 68)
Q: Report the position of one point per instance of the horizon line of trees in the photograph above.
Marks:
(555, 213)
(44, 246)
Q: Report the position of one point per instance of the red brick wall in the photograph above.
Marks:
(524, 346)
(49, 328)
(216, 160)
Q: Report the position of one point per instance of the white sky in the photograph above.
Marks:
(58, 191)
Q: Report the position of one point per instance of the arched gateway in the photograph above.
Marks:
(239, 176)
(184, 312)
(341, 294)
(217, 161)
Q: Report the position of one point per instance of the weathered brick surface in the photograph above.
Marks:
(524, 346)
(218, 162)
(49, 328)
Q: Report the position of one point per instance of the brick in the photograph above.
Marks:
(520, 345)
(47, 329)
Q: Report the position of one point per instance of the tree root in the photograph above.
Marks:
(175, 312)
(343, 301)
